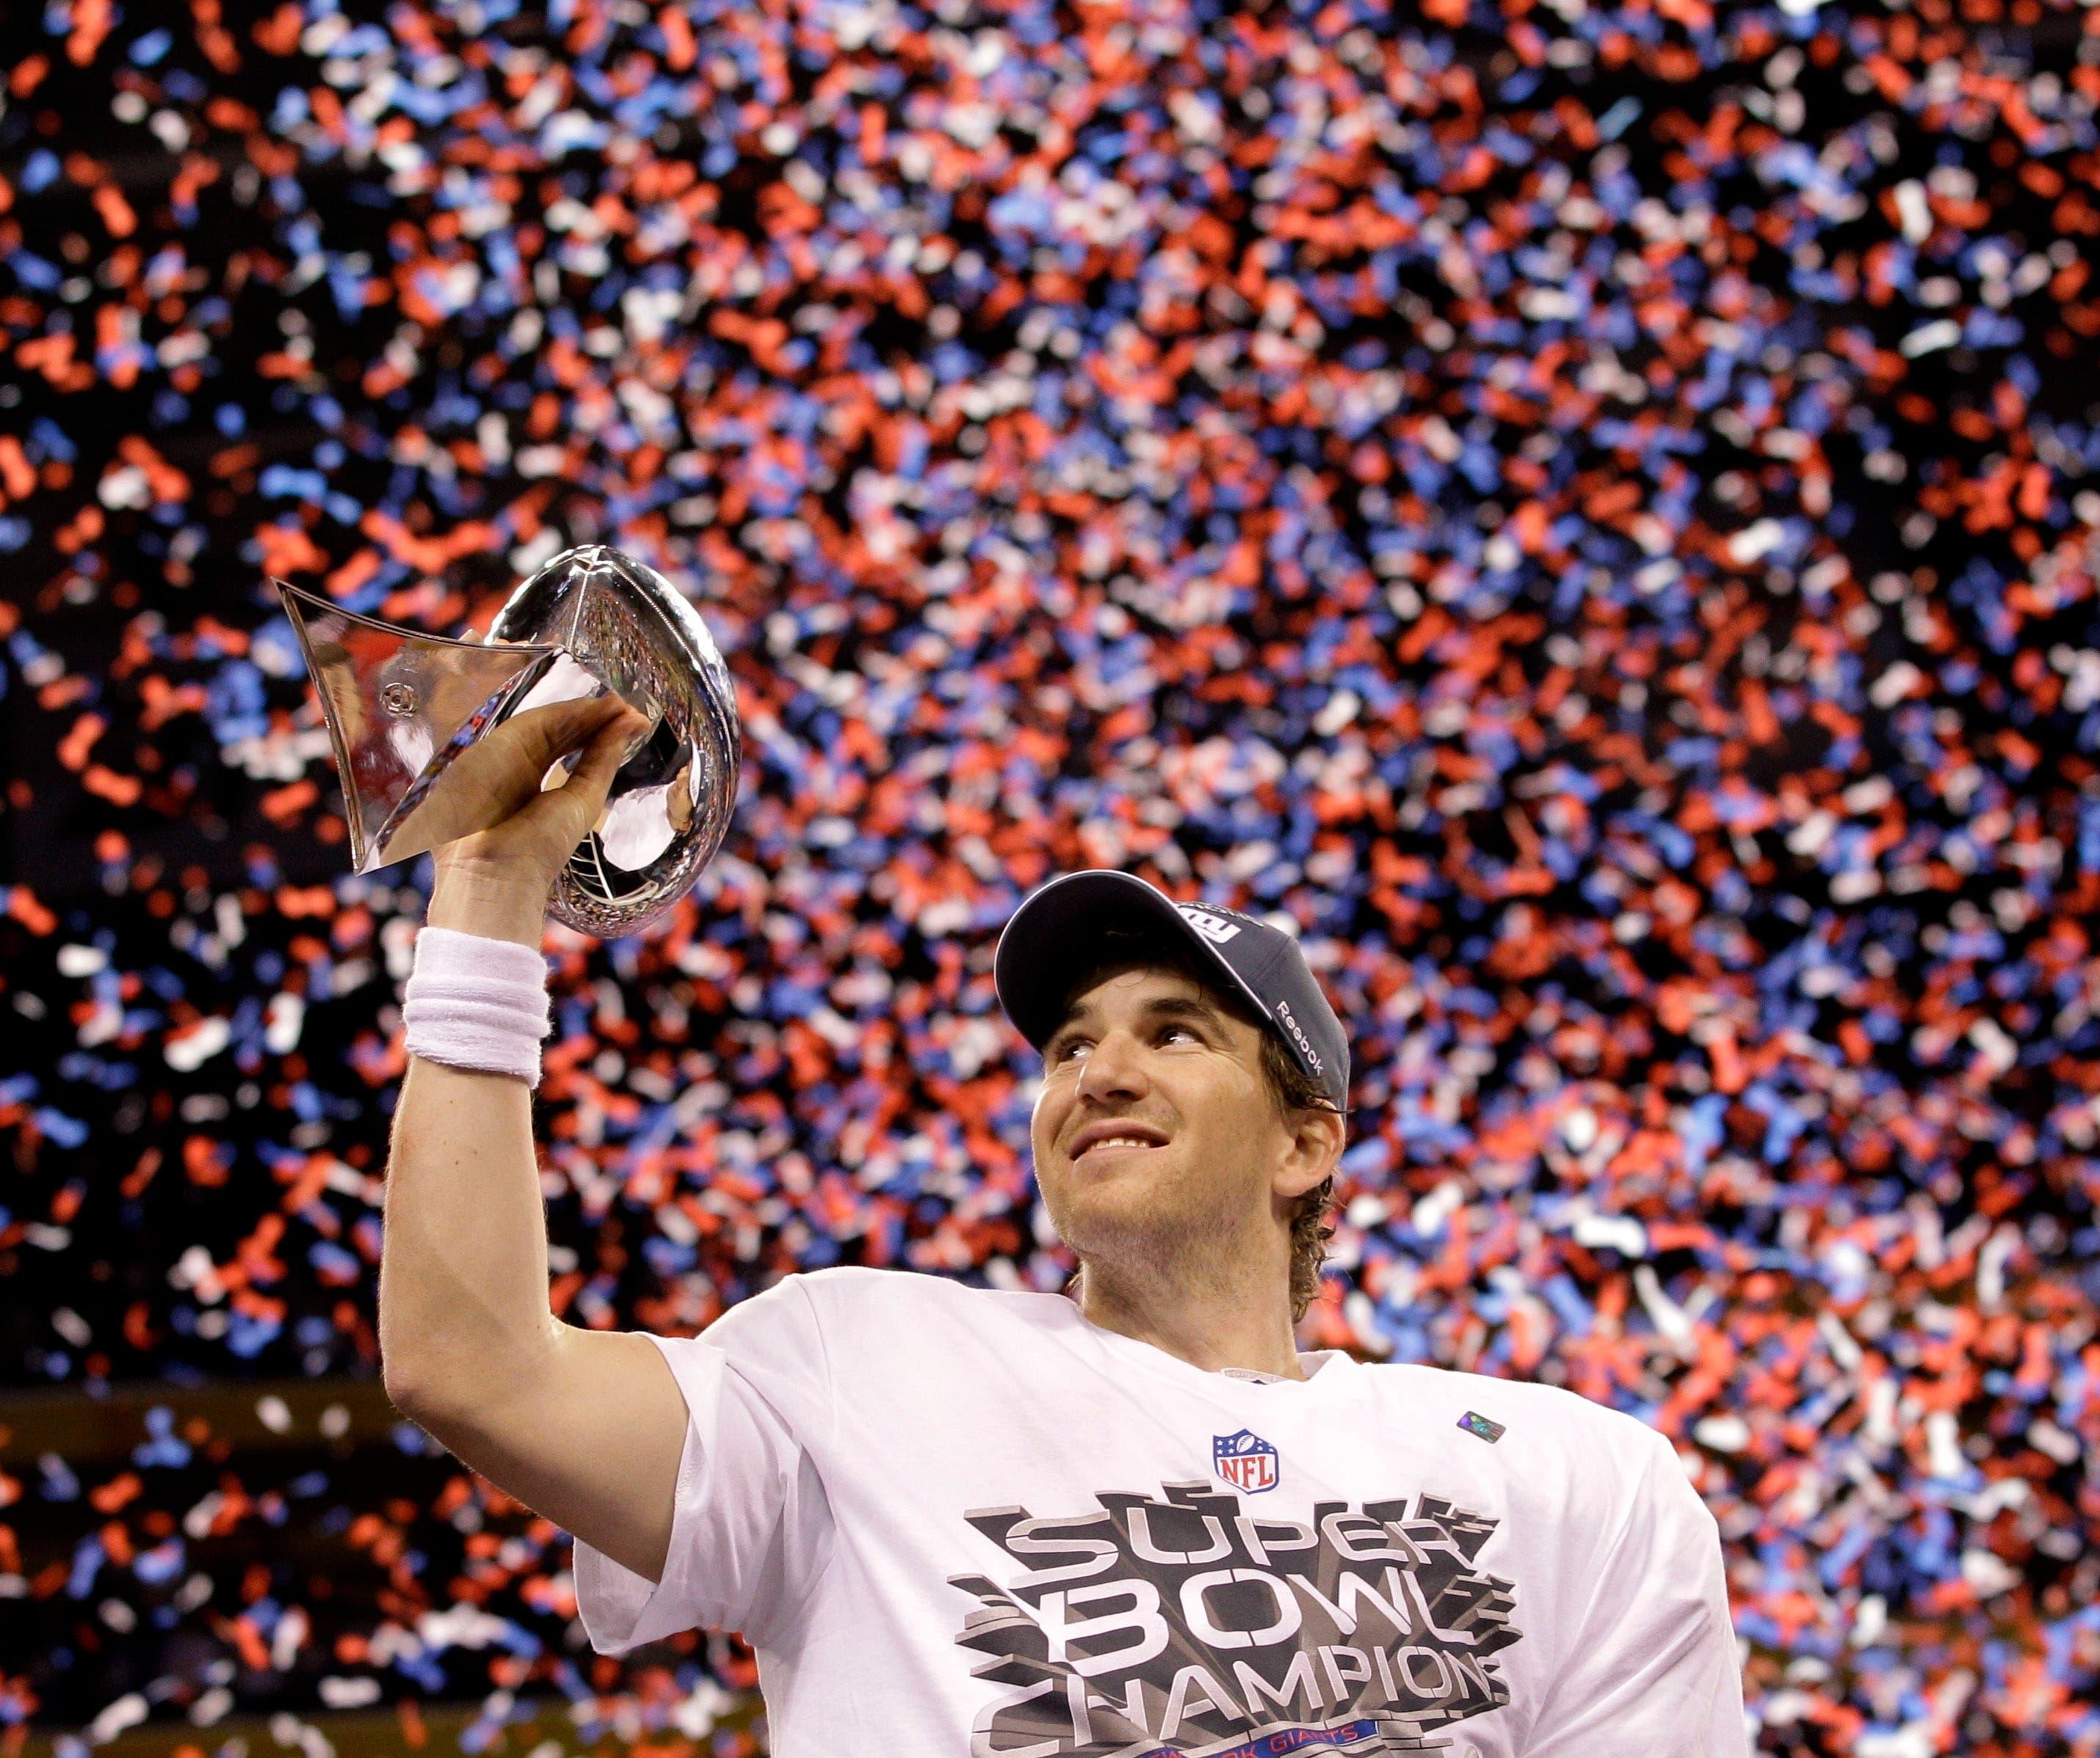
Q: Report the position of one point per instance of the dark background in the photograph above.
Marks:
(1584, 512)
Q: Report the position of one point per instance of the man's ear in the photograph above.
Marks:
(1316, 1137)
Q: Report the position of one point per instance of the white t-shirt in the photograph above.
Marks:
(962, 1520)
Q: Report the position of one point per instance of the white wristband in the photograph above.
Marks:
(474, 1002)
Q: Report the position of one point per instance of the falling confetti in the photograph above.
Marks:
(1586, 512)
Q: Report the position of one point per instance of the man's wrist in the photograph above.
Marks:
(473, 900)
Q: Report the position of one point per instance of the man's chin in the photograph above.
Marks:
(1114, 1219)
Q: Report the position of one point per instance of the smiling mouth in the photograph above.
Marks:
(1119, 1147)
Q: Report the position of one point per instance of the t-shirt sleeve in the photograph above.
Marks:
(1652, 1670)
(750, 1526)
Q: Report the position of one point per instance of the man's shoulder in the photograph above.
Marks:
(1534, 1415)
(847, 1311)
(849, 1290)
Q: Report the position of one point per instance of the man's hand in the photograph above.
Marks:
(497, 881)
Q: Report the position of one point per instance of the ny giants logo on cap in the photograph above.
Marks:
(1212, 928)
(1247, 1461)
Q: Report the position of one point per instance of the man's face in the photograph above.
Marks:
(1146, 1054)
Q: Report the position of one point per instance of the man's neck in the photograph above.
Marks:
(1212, 1329)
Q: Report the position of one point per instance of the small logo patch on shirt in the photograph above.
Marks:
(1474, 1423)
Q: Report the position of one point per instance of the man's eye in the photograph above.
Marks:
(1063, 1052)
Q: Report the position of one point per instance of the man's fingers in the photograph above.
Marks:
(573, 808)
(602, 759)
(508, 765)
(544, 736)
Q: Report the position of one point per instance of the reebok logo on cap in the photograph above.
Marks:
(1298, 1035)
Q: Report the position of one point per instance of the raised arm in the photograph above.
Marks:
(584, 1427)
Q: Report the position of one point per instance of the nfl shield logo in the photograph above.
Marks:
(1246, 1461)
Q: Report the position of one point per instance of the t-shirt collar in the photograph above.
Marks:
(1327, 1364)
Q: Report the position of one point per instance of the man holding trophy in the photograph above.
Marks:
(1132, 1518)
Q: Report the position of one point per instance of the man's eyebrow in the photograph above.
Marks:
(1161, 1007)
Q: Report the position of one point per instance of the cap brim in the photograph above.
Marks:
(1056, 929)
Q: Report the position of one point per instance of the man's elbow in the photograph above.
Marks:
(441, 1419)
(407, 1390)
(448, 1374)
(439, 1404)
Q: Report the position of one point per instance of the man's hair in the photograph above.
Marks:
(1295, 1090)
(1289, 1086)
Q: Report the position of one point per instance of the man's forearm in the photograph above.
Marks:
(463, 1266)
(463, 1263)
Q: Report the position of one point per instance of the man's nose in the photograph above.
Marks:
(1114, 1065)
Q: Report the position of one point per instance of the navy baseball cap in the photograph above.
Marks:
(1060, 924)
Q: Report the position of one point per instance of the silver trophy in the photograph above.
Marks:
(405, 711)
